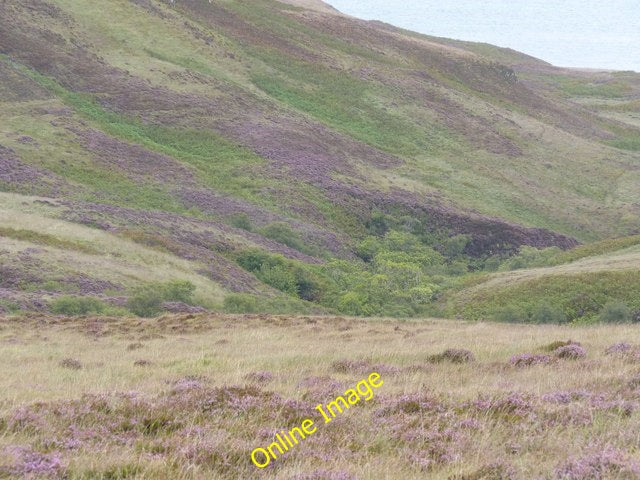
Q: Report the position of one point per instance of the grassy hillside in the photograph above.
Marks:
(189, 397)
(576, 291)
(283, 157)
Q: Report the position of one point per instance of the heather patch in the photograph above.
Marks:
(453, 355)
(362, 366)
(515, 406)
(570, 352)
(620, 348)
(529, 359)
(566, 397)
(319, 387)
(606, 463)
(324, 475)
(493, 471)
(29, 463)
(557, 344)
(142, 363)
(71, 364)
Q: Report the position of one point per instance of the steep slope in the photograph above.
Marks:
(206, 129)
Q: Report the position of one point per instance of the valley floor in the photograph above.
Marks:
(190, 396)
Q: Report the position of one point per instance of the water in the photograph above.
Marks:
(570, 33)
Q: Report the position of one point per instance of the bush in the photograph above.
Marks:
(178, 291)
(510, 314)
(546, 313)
(615, 312)
(368, 248)
(529, 257)
(240, 303)
(73, 306)
(282, 233)
(253, 259)
(241, 220)
(279, 277)
(378, 224)
(453, 355)
(455, 246)
(352, 303)
(147, 300)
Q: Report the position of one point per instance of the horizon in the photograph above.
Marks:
(575, 34)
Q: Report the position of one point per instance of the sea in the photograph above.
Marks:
(568, 33)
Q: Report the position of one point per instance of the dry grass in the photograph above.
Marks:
(416, 418)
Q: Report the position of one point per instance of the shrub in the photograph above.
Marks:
(178, 291)
(510, 314)
(73, 306)
(571, 352)
(550, 347)
(145, 302)
(241, 220)
(352, 303)
(71, 364)
(546, 313)
(282, 233)
(240, 303)
(253, 259)
(615, 312)
(368, 248)
(453, 355)
(528, 359)
(455, 246)
(529, 257)
(279, 277)
(308, 287)
(378, 224)
(618, 348)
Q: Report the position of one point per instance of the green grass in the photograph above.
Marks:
(579, 296)
(630, 142)
(46, 239)
(583, 87)
(596, 248)
(221, 164)
(347, 104)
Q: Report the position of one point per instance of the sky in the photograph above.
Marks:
(567, 33)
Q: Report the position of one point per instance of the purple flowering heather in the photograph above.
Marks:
(618, 348)
(28, 463)
(565, 397)
(324, 475)
(528, 359)
(570, 352)
(599, 465)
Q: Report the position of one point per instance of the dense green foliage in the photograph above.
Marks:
(610, 296)
(398, 274)
(147, 300)
(73, 306)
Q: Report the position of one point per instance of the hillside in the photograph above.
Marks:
(283, 157)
